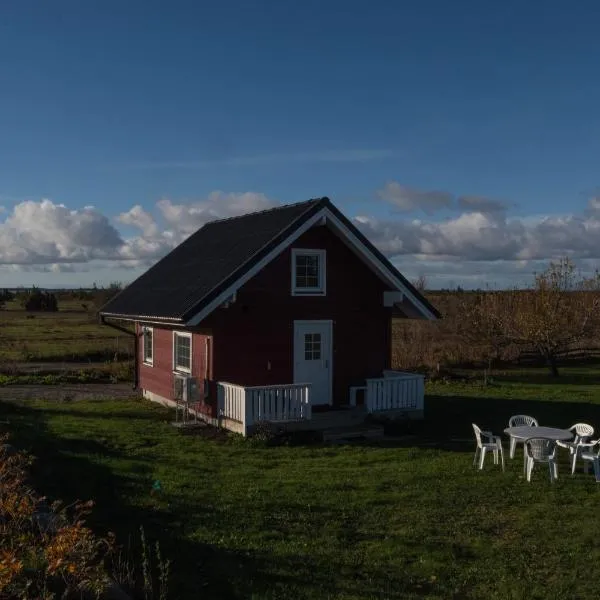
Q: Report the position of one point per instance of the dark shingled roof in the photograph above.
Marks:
(204, 263)
(210, 260)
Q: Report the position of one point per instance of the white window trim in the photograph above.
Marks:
(150, 362)
(318, 291)
(187, 334)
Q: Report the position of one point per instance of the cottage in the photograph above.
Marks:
(271, 316)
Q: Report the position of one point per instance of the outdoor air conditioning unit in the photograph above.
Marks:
(185, 389)
(186, 393)
(179, 388)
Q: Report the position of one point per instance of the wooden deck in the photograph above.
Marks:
(288, 406)
(320, 421)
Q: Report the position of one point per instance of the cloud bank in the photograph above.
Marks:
(478, 243)
(407, 199)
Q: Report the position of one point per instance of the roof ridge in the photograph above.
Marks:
(267, 210)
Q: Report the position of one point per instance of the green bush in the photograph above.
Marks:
(37, 300)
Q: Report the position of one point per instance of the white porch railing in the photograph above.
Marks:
(275, 403)
(396, 390)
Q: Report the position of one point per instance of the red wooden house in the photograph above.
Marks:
(267, 315)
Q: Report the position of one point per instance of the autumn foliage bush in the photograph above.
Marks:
(46, 551)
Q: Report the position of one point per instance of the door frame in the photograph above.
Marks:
(329, 323)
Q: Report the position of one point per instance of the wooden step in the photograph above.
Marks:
(339, 418)
(353, 432)
(329, 420)
(334, 422)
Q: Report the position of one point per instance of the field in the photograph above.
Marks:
(71, 335)
(68, 346)
(408, 517)
(404, 518)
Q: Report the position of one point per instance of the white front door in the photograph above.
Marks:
(312, 358)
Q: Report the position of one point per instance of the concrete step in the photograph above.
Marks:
(354, 432)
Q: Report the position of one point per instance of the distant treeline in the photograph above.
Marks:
(47, 300)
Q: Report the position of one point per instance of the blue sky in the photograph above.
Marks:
(117, 104)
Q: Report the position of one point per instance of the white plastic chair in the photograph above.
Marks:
(583, 432)
(518, 421)
(541, 450)
(487, 441)
(588, 453)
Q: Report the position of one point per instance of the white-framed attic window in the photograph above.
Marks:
(148, 345)
(182, 351)
(308, 272)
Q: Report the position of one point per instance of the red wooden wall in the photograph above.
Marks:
(158, 378)
(253, 338)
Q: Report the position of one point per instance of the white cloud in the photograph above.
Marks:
(480, 204)
(50, 237)
(477, 236)
(44, 232)
(137, 217)
(187, 218)
(481, 242)
(57, 268)
(62, 268)
(409, 199)
(47, 235)
(594, 204)
(472, 274)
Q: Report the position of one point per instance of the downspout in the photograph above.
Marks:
(388, 341)
(103, 321)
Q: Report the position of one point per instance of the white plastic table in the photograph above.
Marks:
(524, 432)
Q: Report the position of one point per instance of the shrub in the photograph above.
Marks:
(47, 552)
(6, 296)
(37, 300)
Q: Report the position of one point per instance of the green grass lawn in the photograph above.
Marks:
(405, 518)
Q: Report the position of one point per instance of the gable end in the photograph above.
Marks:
(349, 234)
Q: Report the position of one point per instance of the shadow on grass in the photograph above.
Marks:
(452, 416)
(125, 415)
(61, 472)
(304, 577)
(74, 469)
(447, 424)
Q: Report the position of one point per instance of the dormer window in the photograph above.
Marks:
(308, 272)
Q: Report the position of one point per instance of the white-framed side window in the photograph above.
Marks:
(182, 351)
(148, 345)
(308, 272)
